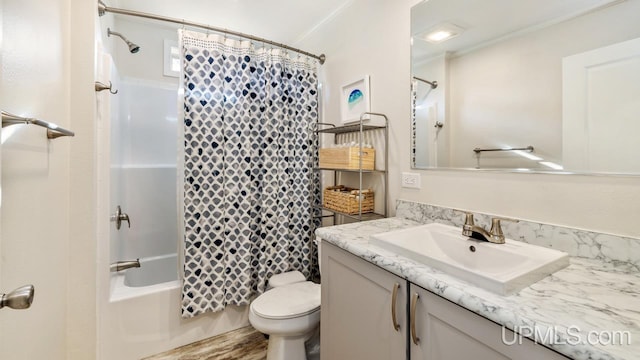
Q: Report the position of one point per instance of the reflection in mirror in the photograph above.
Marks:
(528, 85)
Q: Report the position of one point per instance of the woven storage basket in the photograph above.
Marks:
(347, 158)
(346, 200)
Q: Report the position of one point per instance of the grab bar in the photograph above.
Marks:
(528, 148)
(53, 130)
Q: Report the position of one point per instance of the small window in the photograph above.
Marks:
(171, 58)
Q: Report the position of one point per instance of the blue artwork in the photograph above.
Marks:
(356, 96)
(354, 100)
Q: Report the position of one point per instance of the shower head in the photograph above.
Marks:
(133, 48)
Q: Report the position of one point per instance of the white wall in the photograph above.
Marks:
(372, 37)
(34, 178)
(149, 35)
(46, 240)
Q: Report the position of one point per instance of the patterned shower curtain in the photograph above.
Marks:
(248, 179)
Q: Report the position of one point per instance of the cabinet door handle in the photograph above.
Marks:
(414, 302)
(394, 300)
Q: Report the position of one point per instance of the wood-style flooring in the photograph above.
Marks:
(242, 344)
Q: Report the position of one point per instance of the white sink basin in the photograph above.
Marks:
(500, 268)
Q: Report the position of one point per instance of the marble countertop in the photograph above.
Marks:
(580, 304)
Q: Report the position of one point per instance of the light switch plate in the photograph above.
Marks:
(411, 180)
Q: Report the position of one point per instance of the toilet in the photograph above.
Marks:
(289, 313)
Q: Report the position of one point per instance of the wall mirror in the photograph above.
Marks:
(527, 85)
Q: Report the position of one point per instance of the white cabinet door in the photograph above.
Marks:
(446, 331)
(357, 299)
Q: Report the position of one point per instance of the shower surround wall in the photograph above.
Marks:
(145, 140)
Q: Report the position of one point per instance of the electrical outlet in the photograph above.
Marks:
(411, 180)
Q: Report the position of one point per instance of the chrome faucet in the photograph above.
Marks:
(494, 235)
(124, 265)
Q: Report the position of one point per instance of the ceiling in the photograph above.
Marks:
(284, 21)
(487, 20)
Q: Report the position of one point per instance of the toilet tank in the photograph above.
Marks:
(286, 278)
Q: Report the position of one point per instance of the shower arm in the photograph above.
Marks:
(133, 48)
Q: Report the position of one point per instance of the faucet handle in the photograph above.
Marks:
(119, 217)
(469, 223)
(468, 219)
(496, 228)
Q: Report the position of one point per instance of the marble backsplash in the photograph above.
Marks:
(611, 249)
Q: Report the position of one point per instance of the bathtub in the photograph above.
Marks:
(155, 274)
(143, 313)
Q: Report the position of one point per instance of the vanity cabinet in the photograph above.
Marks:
(442, 330)
(357, 324)
(356, 318)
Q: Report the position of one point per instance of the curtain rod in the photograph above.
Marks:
(103, 8)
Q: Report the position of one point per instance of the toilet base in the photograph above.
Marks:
(286, 348)
(287, 338)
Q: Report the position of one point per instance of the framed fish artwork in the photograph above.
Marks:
(354, 100)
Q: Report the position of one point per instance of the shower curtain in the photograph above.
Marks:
(248, 180)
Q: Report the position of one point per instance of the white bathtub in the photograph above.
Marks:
(143, 320)
(155, 274)
(153, 270)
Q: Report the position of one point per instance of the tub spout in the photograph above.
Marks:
(20, 298)
(123, 265)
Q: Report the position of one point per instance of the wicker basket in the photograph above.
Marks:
(347, 200)
(347, 158)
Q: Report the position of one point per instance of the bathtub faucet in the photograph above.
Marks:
(124, 265)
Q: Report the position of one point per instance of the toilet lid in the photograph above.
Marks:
(288, 301)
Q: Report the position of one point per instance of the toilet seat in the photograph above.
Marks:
(288, 301)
